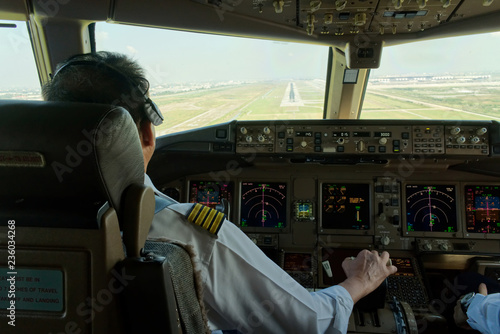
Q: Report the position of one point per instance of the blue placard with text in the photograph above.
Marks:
(34, 289)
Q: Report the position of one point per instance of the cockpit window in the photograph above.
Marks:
(453, 78)
(202, 79)
(18, 73)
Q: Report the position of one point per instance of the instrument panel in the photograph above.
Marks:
(311, 193)
(378, 138)
(263, 204)
(431, 208)
(380, 184)
(345, 206)
(373, 208)
(482, 205)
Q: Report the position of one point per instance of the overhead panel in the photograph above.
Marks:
(348, 18)
(473, 8)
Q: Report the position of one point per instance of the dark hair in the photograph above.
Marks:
(101, 77)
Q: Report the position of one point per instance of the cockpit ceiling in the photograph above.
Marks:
(388, 19)
(331, 22)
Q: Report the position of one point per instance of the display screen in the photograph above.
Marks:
(210, 193)
(482, 208)
(345, 206)
(431, 208)
(297, 262)
(263, 204)
(304, 210)
(404, 265)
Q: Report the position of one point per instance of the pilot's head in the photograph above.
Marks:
(110, 78)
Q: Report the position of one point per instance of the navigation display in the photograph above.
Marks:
(210, 193)
(345, 206)
(482, 208)
(263, 204)
(431, 208)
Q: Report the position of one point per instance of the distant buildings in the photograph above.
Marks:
(430, 78)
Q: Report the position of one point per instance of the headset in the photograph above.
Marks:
(151, 110)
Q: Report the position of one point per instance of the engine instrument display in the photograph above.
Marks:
(210, 193)
(345, 206)
(431, 208)
(482, 208)
(263, 204)
(304, 211)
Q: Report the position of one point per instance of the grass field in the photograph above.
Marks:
(467, 101)
(251, 101)
(272, 100)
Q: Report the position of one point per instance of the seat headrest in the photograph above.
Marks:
(62, 156)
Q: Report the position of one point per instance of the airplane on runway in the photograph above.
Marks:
(318, 128)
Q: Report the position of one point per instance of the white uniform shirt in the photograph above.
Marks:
(484, 313)
(243, 288)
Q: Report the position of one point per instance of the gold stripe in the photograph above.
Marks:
(202, 215)
(217, 222)
(209, 219)
(194, 212)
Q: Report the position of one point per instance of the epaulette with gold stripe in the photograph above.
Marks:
(208, 218)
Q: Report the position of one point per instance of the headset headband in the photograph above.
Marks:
(151, 110)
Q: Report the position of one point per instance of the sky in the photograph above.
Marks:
(172, 57)
(176, 56)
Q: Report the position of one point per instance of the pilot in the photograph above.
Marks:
(479, 311)
(243, 289)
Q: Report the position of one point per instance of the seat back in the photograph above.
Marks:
(187, 294)
(164, 291)
(65, 171)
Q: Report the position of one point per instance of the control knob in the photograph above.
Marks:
(461, 140)
(266, 130)
(481, 131)
(243, 130)
(455, 131)
(382, 141)
(261, 138)
(475, 140)
(249, 139)
(385, 240)
(303, 143)
(340, 4)
(444, 246)
(427, 246)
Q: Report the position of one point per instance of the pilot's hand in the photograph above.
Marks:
(459, 316)
(366, 272)
(483, 289)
